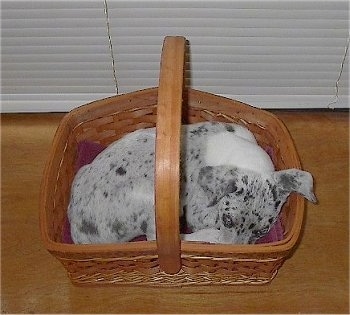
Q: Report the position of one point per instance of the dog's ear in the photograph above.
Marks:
(294, 180)
(217, 181)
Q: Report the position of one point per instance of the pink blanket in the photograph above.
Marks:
(87, 151)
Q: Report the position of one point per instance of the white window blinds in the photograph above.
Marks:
(270, 54)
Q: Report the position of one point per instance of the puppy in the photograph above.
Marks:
(229, 190)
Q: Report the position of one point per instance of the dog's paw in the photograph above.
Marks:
(209, 235)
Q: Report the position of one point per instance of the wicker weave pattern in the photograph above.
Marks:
(211, 272)
(136, 263)
(162, 279)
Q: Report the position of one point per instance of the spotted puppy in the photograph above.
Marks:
(230, 192)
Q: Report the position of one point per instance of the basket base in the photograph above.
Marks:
(161, 279)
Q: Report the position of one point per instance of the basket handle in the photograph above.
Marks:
(167, 164)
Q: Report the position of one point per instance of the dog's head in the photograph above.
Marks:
(248, 202)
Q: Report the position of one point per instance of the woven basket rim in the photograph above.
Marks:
(186, 246)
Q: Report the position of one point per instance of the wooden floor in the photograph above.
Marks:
(314, 280)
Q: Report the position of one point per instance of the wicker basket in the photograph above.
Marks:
(167, 261)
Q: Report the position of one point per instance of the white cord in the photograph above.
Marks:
(111, 48)
(336, 97)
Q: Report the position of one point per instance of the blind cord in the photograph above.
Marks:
(111, 47)
(336, 97)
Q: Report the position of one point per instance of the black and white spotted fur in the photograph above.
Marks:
(224, 199)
